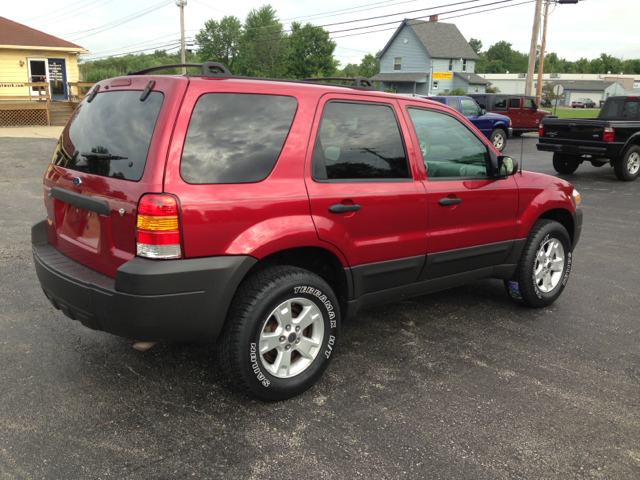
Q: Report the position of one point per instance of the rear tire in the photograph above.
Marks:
(280, 334)
(565, 164)
(499, 139)
(545, 265)
(627, 168)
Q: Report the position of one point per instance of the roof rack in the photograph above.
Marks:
(209, 69)
(358, 82)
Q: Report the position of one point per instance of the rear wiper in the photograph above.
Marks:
(102, 156)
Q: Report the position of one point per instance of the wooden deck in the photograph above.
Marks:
(25, 110)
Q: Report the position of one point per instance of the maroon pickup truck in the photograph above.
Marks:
(522, 110)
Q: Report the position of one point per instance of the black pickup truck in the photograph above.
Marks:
(613, 138)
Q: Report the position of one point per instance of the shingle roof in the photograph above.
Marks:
(13, 33)
(442, 40)
(398, 77)
(593, 85)
(472, 78)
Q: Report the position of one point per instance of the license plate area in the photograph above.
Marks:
(78, 225)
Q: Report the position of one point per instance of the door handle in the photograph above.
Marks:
(449, 201)
(340, 208)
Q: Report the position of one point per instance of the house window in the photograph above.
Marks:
(464, 65)
(435, 85)
(397, 63)
(451, 65)
(477, 89)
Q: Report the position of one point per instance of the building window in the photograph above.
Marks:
(397, 63)
(477, 89)
(464, 65)
(451, 65)
(435, 85)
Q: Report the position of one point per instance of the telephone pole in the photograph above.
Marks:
(534, 47)
(181, 4)
(544, 44)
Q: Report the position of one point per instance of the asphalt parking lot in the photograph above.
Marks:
(460, 384)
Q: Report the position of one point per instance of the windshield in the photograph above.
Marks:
(111, 135)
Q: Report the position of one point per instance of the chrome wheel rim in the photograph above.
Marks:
(549, 265)
(633, 163)
(291, 337)
(498, 141)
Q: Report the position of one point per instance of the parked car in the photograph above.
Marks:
(583, 103)
(613, 138)
(522, 110)
(497, 128)
(262, 214)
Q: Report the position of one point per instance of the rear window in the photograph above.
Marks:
(235, 138)
(111, 135)
(620, 108)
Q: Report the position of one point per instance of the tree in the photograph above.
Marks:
(547, 95)
(310, 52)
(476, 45)
(369, 66)
(220, 41)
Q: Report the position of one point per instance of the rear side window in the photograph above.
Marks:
(514, 102)
(111, 135)
(453, 103)
(500, 103)
(235, 138)
(358, 141)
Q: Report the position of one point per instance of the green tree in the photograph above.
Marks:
(220, 41)
(476, 45)
(369, 66)
(310, 52)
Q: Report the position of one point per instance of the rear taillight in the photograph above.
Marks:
(158, 234)
(609, 134)
(541, 130)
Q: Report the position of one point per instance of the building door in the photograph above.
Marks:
(58, 78)
(38, 72)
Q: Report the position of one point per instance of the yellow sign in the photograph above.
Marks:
(442, 75)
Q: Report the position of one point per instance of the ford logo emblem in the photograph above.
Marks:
(76, 181)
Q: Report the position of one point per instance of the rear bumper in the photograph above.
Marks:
(149, 300)
(606, 151)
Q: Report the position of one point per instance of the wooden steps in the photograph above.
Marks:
(61, 112)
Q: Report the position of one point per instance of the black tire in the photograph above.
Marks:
(627, 167)
(498, 138)
(524, 287)
(564, 163)
(253, 310)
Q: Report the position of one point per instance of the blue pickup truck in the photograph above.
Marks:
(497, 128)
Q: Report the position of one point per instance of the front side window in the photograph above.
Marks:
(500, 102)
(514, 102)
(359, 141)
(449, 149)
(397, 63)
(528, 103)
(469, 107)
(235, 138)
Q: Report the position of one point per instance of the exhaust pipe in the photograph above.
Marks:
(144, 346)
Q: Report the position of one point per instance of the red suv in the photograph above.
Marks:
(263, 213)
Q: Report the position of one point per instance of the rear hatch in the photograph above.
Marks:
(111, 152)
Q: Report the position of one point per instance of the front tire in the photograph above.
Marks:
(545, 265)
(499, 139)
(565, 164)
(280, 334)
(627, 168)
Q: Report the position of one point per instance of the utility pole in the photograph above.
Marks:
(181, 4)
(544, 44)
(532, 50)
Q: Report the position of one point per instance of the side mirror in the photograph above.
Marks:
(535, 107)
(482, 111)
(507, 166)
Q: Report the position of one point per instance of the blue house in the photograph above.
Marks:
(428, 58)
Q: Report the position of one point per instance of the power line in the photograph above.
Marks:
(58, 10)
(134, 45)
(62, 17)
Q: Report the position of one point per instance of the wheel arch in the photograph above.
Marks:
(563, 217)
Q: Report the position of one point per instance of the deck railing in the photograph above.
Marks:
(21, 105)
(79, 93)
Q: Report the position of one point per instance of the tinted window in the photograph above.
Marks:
(448, 147)
(612, 109)
(630, 110)
(235, 138)
(469, 107)
(500, 103)
(114, 124)
(514, 102)
(481, 99)
(359, 141)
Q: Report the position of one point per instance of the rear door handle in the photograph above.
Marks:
(449, 201)
(340, 208)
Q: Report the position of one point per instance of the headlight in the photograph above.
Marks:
(576, 197)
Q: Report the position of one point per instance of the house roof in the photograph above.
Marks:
(399, 77)
(441, 40)
(592, 85)
(472, 78)
(16, 34)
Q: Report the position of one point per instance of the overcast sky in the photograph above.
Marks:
(586, 30)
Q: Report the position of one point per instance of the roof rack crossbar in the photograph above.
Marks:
(358, 82)
(208, 69)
